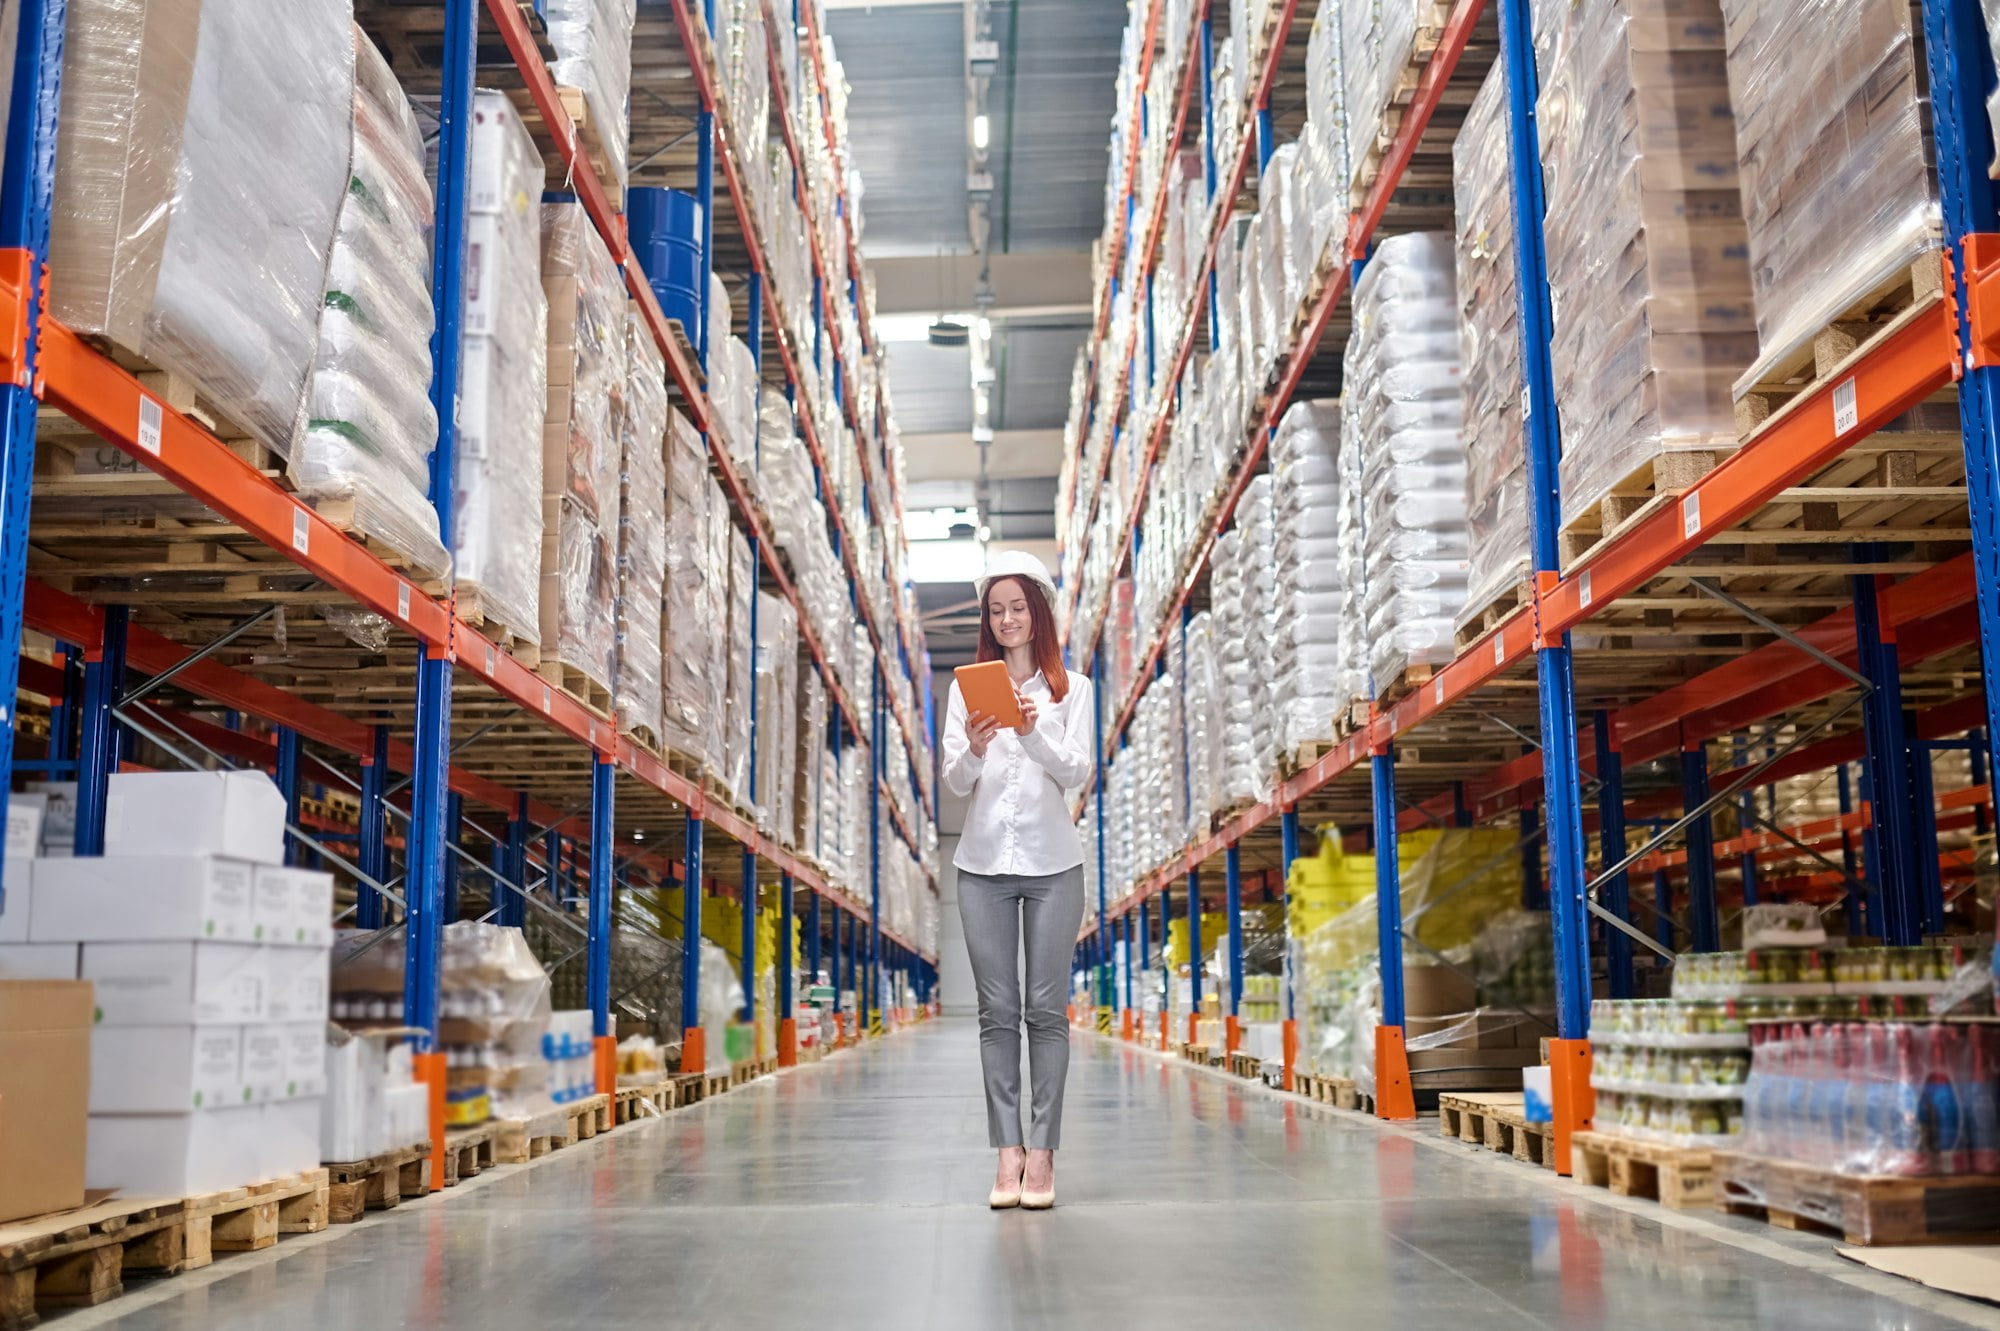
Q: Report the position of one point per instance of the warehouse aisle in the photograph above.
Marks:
(849, 1195)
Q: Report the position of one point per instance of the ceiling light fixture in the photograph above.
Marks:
(982, 131)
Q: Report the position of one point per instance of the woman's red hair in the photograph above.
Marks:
(1042, 620)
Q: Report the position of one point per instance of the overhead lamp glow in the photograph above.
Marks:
(982, 131)
(985, 329)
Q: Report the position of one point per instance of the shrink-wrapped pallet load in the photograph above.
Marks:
(1377, 49)
(580, 449)
(777, 663)
(1206, 707)
(1496, 459)
(364, 455)
(741, 633)
(1403, 374)
(809, 748)
(1646, 246)
(592, 40)
(202, 156)
(1350, 549)
(503, 380)
(689, 697)
(1311, 599)
(1834, 160)
(642, 530)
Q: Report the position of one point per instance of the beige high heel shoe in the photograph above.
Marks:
(1002, 1199)
(1039, 1201)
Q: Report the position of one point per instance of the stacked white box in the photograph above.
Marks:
(1312, 598)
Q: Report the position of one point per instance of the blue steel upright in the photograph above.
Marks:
(603, 833)
(1232, 881)
(27, 186)
(287, 778)
(1704, 915)
(100, 733)
(1288, 850)
(1961, 78)
(1562, 778)
(1388, 884)
(1615, 894)
(748, 940)
(879, 741)
(372, 855)
(691, 929)
(425, 852)
(1097, 762)
(1888, 768)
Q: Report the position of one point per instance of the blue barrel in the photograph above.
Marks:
(665, 231)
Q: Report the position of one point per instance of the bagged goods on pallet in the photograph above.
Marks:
(1402, 364)
(370, 427)
(580, 444)
(1833, 155)
(503, 377)
(1378, 44)
(1647, 277)
(1206, 707)
(741, 636)
(733, 398)
(1350, 549)
(642, 529)
(742, 55)
(202, 156)
(777, 710)
(593, 45)
(1323, 156)
(690, 614)
(808, 744)
(1496, 457)
(1243, 603)
(1311, 599)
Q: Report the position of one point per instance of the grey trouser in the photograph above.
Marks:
(995, 907)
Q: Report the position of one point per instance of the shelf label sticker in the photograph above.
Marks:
(1499, 649)
(150, 421)
(1691, 516)
(1583, 590)
(490, 662)
(1437, 692)
(301, 531)
(1846, 415)
(1527, 403)
(403, 600)
(547, 702)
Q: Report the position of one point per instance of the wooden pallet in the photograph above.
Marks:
(593, 135)
(718, 1084)
(250, 1219)
(1412, 677)
(1304, 756)
(468, 1152)
(689, 1088)
(1496, 1121)
(77, 1259)
(1476, 624)
(379, 1183)
(412, 36)
(1431, 20)
(1863, 1209)
(1654, 483)
(1799, 369)
(576, 683)
(1680, 1178)
(1195, 1053)
(469, 604)
(344, 514)
(1245, 1065)
(634, 1103)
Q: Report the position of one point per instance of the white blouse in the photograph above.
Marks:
(1019, 820)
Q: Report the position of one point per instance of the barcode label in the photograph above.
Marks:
(149, 425)
(1845, 414)
(1527, 403)
(547, 702)
(1437, 693)
(402, 600)
(1691, 516)
(489, 661)
(1499, 649)
(1583, 590)
(301, 531)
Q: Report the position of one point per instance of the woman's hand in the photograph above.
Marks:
(979, 732)
(1027, 706)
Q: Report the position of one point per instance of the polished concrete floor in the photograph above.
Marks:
(851, 1194)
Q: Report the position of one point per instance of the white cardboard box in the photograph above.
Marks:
(38, 961)
(24, 825)
(165, 1069)
(240, 815)
(177, 984)
(175, 1155)
(141, 898)
(290, 1137)
(298, 985)
(58, 815)
(305, 1059)
(495, 125)
(17, 899)
(294, 906)
(265, 1049)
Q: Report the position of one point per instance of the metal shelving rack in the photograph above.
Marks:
(546, 763)
(1908, 634)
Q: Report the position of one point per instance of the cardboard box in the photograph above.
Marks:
(176, 1155)
(1432, 1059)
(236, 815)
(1436, 991)
(297, 988)
(166, 1069)
(293, 906)
(290, 1138)
(141, 898)
(265, 1049)
(58, 815)
(177, 984)
(40, 961)
(17, 898)
(44, 1085)
(305, 1059)
(24, 825)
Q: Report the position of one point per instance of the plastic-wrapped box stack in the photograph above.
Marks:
(1496, 457)
(642, 530)
(1833, 155)
(1243, 597)
(810, 749)
(1323, 142)
(592, 40)
(1402, 366)
(364, 458)
(201, 160)
(690, 616)
(503, 379)
(1378, 39)
(1206, 708)
(1311, 600)
(738, 664)
(1351, 549)
(777, 711)
(743, 56)
(580, 453)
(1646, 245)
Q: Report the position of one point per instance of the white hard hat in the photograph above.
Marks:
(1017, 564)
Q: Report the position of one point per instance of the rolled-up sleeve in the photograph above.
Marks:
(1062, 745)
(961, 765)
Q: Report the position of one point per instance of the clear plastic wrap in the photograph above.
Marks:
(1648, 276)
(1496, 457)
(740, 667)
(689, 695)
(202, 156)
(1834, 157)
(503, 380)
(581, 458)
(364, 455)
(1311, 597)
(777, 712)
(1404, 401)
(592, 40)
(1377, 44)
(1244, 599)
(642, 530)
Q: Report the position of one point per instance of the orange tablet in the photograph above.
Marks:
(987, 688)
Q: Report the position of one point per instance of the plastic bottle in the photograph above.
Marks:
(1829, 1093)
(1902, 1141)
(1945, 1137)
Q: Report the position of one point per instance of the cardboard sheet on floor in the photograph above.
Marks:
(1971, 1272)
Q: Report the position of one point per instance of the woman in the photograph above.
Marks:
(1020, 866)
